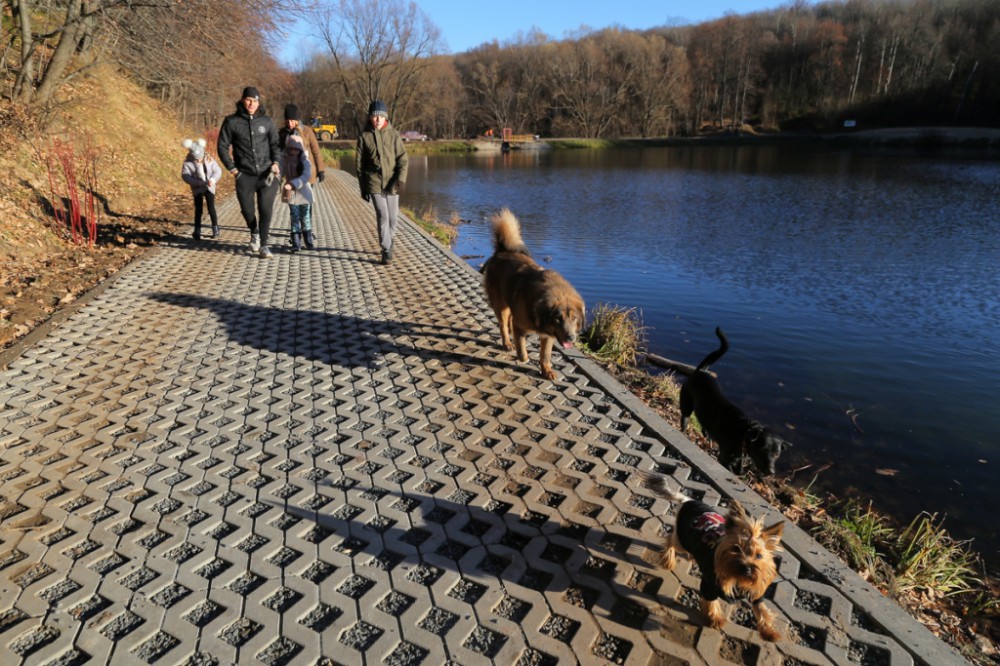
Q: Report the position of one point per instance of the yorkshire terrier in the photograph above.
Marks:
(735, 554)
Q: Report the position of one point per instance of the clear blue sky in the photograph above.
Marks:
(466, 24)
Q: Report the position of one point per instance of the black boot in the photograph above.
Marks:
(215, 231)
(197, 232)
(296, 242)
(310, 239)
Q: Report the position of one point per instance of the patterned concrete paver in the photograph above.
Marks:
(316, 459)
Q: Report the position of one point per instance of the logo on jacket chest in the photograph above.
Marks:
(261, 130)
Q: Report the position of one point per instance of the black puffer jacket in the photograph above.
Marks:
(254, 141)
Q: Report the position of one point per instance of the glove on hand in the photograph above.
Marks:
(320, 176)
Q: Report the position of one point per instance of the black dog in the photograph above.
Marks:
(725, 423)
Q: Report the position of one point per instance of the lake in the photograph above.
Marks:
(859, 292)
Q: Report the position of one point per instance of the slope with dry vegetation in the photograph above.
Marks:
(135, 146)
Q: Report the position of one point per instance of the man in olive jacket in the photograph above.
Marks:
(382, 162)
(254, 163)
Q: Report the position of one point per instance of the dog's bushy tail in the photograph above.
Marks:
(507, 233)
(658, 484)
(717, 354)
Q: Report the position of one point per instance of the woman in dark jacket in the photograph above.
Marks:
(253, 138)
(381, 162)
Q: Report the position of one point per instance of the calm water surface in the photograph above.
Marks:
(860, 294)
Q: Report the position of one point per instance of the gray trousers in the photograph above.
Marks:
(386, 217)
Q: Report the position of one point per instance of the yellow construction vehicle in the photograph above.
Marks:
(324, 131)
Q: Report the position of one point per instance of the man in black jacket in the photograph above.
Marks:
(254, 163)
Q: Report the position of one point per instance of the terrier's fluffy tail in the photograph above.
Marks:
(507, 233)
(658, 484)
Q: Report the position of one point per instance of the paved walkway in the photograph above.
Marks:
(221, 459)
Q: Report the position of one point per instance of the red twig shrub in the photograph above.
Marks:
(66, 171)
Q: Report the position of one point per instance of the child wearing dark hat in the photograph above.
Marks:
(382, 164)
(202, 174)
(294, 127)
(296, 192)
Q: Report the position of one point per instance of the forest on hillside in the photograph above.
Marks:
(800, 66)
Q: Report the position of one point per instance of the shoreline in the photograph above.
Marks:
(923, 138)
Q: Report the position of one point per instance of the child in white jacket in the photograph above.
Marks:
(202, 173)
(296, 168)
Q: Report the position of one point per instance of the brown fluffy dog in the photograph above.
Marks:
(735, 554)
(528, 298)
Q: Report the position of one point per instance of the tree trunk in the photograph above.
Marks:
(75, 29)
(965, 91)
(23, 85)
(892, 61)
(857, 70)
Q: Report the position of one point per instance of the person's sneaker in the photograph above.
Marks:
(385, 258)
(255, 242)
(265, 253)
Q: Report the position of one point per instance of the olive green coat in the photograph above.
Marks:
(381, 161)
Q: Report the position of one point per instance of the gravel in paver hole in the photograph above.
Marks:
(438, 621)
(280, 652)
(239, 632)
(616, 650)
(485, 641)
(560, 628)
(361, 636)
(395, 603)
(204, 613)
(153, 649)
(406, 654)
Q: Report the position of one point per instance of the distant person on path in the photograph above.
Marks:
(202, 173)
(294, 127)
(254, 163)
(296, 191)
(382, 162)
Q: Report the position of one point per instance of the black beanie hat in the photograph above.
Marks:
(250, 91)
(292, 112)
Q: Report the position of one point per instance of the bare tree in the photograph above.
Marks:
(439, 107)
(181, 51)
(491, 86)
(591, 82)
(46, 56)
(198, 55)
(380, 49)
(661, 86)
